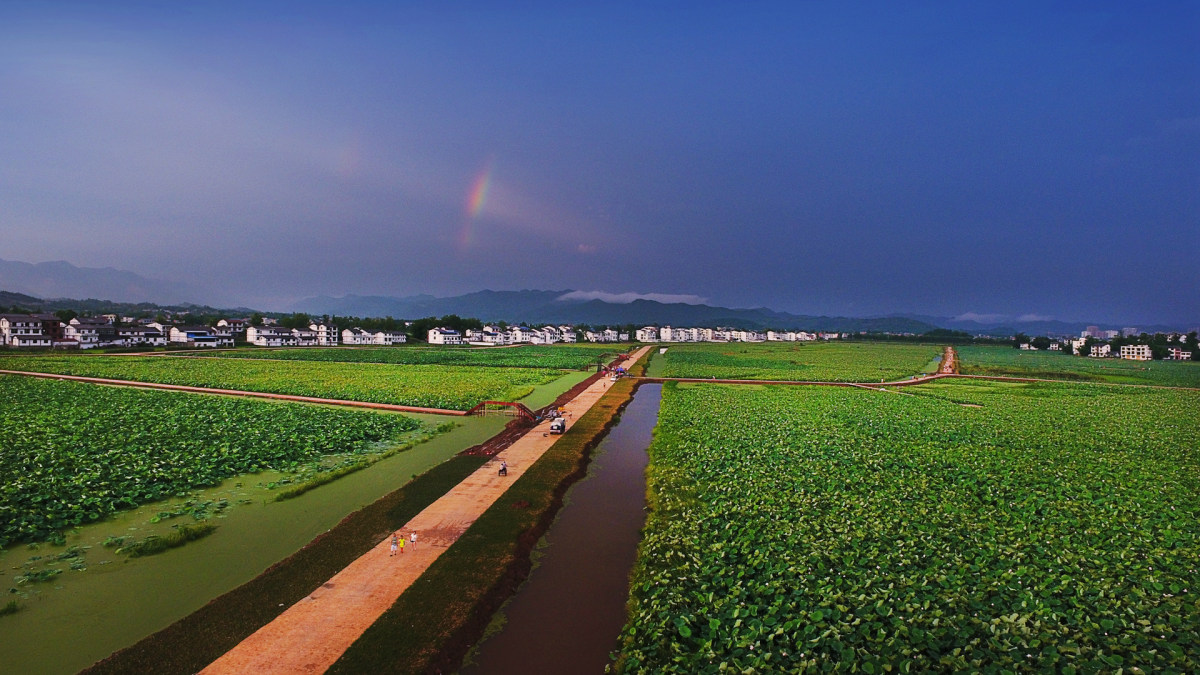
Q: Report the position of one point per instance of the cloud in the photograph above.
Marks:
(626, 298)
(981, 318)
(1035, 317)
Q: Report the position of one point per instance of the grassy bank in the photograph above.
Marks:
(433, 624)
(192, 643)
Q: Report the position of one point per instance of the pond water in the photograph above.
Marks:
(567, 616)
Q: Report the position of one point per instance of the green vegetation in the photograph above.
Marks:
(195, 641)
(10, 607)
(819, 362)
(1054, 528)
(75, 452)
(452, 387)
(978, 360)
(155, 544)
(457, 596)
(563, 357)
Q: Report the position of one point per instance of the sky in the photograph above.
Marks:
(945, 158)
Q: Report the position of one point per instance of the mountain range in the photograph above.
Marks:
(61, 281)
(542, 307)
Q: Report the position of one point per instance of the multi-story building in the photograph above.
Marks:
(22, 330)
(327, 335)
(270, 336)
(647, 334)
(1134, 352)
(194, 336)
(444, 336)
(389, 337)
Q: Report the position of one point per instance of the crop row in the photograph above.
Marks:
(451, 387)
(563, 357)
(823, 362)
(1056, 528)
(74, 452)
(986, 360)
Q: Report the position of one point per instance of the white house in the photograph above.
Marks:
(647, 334)
(1178, 354)
(567, 334)
(133, 336)
(270, 336)
(234, 325)
(389, 337)
(86, 332)
(519, 334)
(1135, 352)
(1101, 351)
(194, 336)
(22, 330)
(487, 338)
(444, 336)
(327, 335)
(305, 337)
(357, 336)
(544, 336)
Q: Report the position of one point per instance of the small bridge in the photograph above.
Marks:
(504, 408)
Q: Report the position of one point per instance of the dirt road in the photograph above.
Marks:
(313, 633)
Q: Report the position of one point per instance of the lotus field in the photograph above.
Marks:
(818, 362)
(563, 357)
(450, 387)
(1053, 528)
(75, 452)
(981, 360)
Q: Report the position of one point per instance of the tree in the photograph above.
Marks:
(256, 319)
(65, 315)
(297, 320)
(1040, 342)
(1019, 339)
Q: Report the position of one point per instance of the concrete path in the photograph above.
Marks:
(313, 633)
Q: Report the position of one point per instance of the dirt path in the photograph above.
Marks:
(949, 362)
(238, 392)
(313, 633)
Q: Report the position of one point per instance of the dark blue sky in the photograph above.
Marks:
(842, 158)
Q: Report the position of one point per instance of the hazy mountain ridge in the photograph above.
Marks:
(60, 279)
(541, 307)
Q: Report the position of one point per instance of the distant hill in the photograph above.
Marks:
(93, 307)
(1005, 326)
(541, 307)
(61, 279)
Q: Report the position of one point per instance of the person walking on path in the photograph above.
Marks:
(413, 538)
(402, 543)
(395, 543)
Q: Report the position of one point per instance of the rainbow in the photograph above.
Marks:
(477, 197)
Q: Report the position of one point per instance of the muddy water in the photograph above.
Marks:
(567, 616)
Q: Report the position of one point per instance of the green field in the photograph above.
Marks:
(565, 357)
(75, 453)
(450, 387)
(980, 360)
(1053, 528)
(821, 362)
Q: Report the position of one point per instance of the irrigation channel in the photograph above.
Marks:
(567, 616)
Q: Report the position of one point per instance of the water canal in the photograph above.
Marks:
(567, 616)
